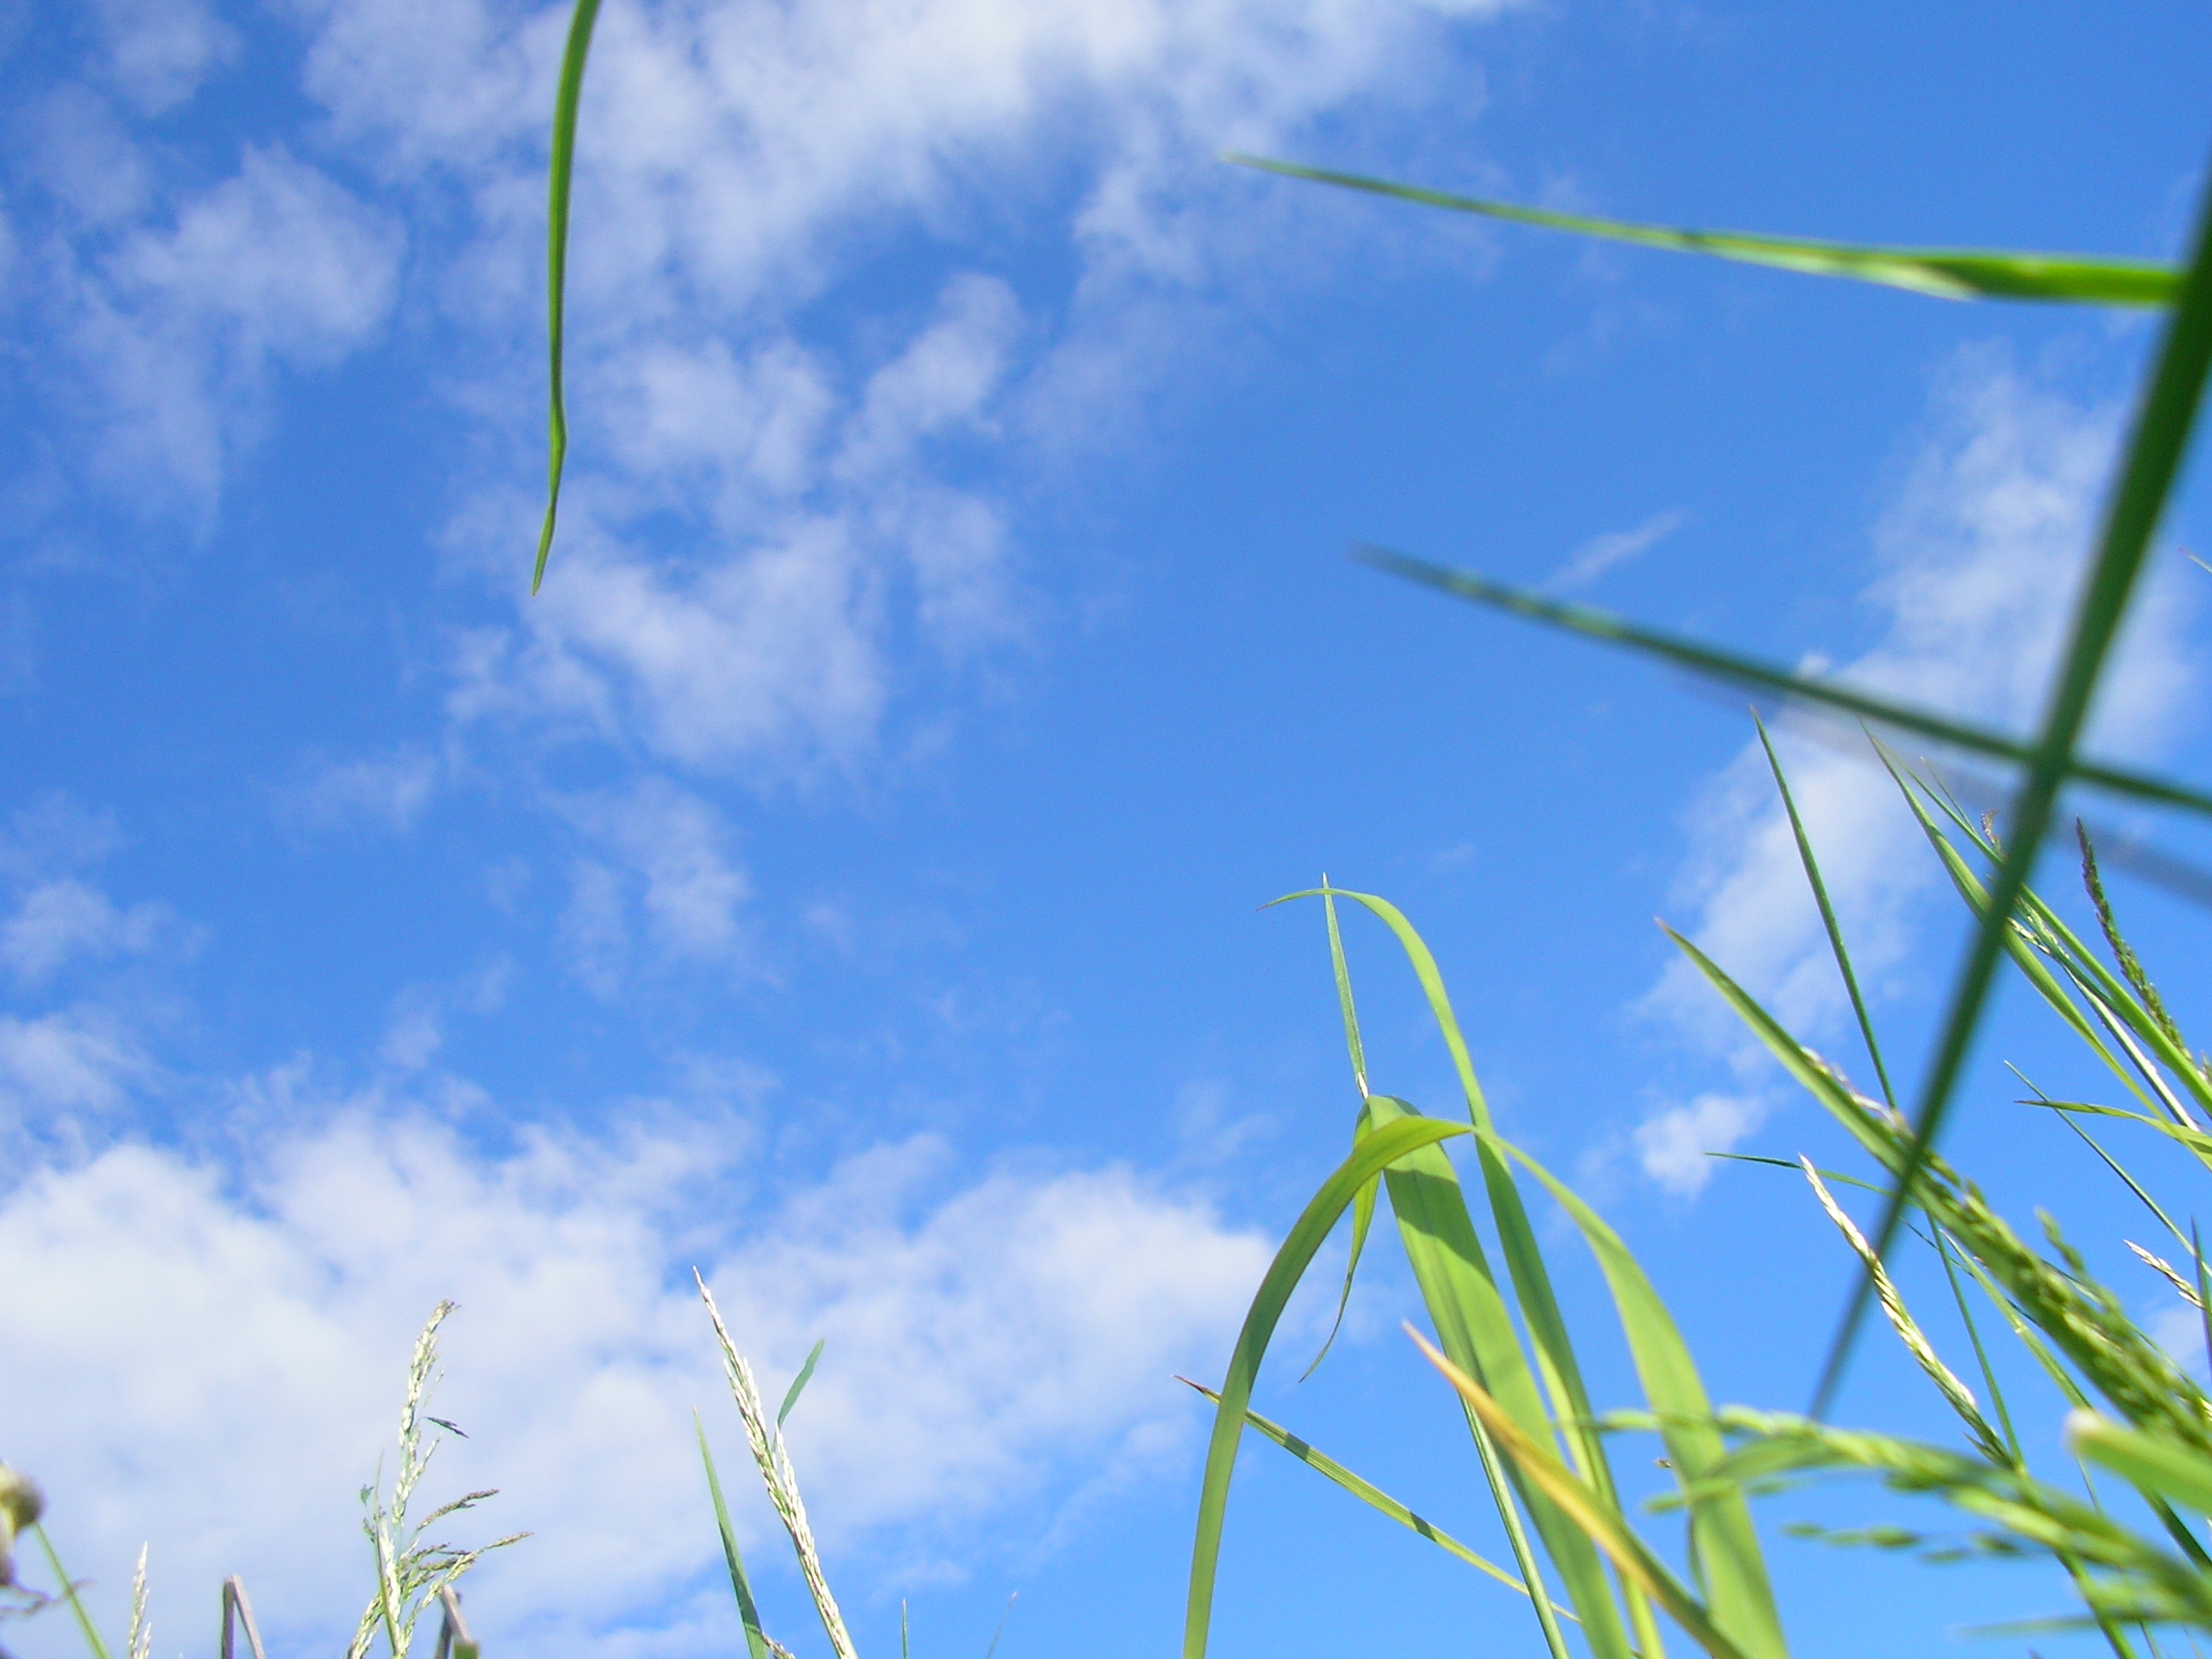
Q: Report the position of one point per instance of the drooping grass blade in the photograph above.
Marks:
(2153, 463)
(566, 101)
(1373, 1496)
(1714, 663)
(1946, 273)
(1375, 1152)
(748, 1610)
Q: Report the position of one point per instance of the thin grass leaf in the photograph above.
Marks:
(1375, 1152)
(2093, 881)
(1604, 1524)
(2147, 474)
(799, 1383)
(86, 1628)
(1812, 865)
(1981, 1353)
(1000, 1629)
(566, 101)
(1944, 273)
(1373, 1496)
(1713, 663)
(1363, 1207)
(748, 1609)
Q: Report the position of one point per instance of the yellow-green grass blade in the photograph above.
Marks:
(2155, 451)
(86, 1628)
(2179, 1472)
(1476, 1328)
(1945, 273)
(799, 1383)
(1723, 1540)
(1712, 662)
(1554, 1349)
(566, 101)
(1805, 856)
(1981, 1354)
(748, 1610)
(1374, 1496)
(1375, 1152)
(1363, 1207)
(1607, 1528)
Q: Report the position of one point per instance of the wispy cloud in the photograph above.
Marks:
(1980, 553)
(1616, 547)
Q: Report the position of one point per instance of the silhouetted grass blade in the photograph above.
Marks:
(1945, 273)
(1714, 663)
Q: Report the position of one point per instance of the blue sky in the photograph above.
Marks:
(843, 876)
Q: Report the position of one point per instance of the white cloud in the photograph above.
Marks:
(58, 921)
(389, 791)
(158, 51)
(210, 1360)
(1673, 1147)
(672, 867)
(1616, 547)
(1981, 554)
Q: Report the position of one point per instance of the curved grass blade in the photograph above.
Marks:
(1944, 273)
(1374, 1496)
(1363, 1207)
(756, 1646)
(1724, 1542)
(2163, 424)
(1603, 1523)
(566, 101)
(1375, 1152)
(1715, 663)
(799, 1383)
(1476, 1328)
(1827, 910)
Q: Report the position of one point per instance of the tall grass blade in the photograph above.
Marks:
(89, 1631)
(1603, 1523)
(1363, 1207)
(2144, 1461)
(1713, 663)
(1945, 273)
(748, 1609)
(2155, 452)
(561, 172)
(1375, 1152)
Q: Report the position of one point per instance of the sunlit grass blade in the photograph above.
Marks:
(799, 1383)
(748, 1609)
(2153, 464)
(86, 1628)
(2156, 1465)
(560, 175)
(1714, 663)
(1375, 1152)
(1812, 864)
(1945, 273)
(1724, 1542)
(1476, 1328)
(1603, 1523)
(1374, 1496)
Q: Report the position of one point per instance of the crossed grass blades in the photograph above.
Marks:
(1503, 1345)
(413, 1574)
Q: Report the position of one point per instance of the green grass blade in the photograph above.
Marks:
(2147, 474)
(566, 101)
(1373, 1496)
(2154, 1465)
(1476, 1328)
(89, 1631)
(1713, 663)
(1945, 273)
(1000, 1629)
(1375, 1152)
(799, 1383)
(1601, 1522)
(1363, 1207)
(1981, 1354)
(1740, 1598)
(748, 1610)
(1827, 910)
